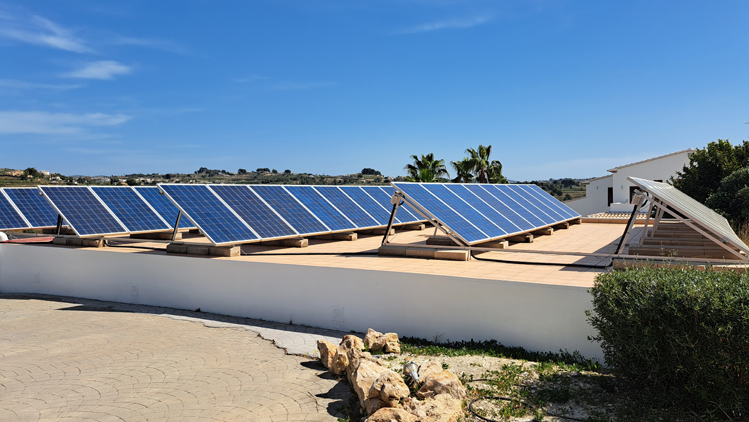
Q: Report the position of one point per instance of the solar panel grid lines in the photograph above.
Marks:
(130, 209)
(335, 207)
(512, 200)
(263, 219)
(153, 209)
(293, 211)
(456, 223)
(163, 206)
(33, 206)
(383, 199)
(496, 217)
(488, 227)
(355, 212)
(515, 219)
(319, 206)
(220, 224)
(412, 215)
(538, 209)
(10, 217)
(557, 207)
(84, 212)
(543, 207)
(366, 202)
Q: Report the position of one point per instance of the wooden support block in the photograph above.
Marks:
(575, 221)
(521, 238)
(392, 250)
(60, 241)
(415, 252)
(345, 236)
(417, 226)
(198, 249)
(298, 242)
(156, 236)
(548, 231)
(440, 240)
(496, 244)
(180, 248)
(452, 255)
(225, 251)
(562, 226)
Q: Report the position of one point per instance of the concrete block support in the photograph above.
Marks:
(156, 236)
(287, 243)
(521, 238)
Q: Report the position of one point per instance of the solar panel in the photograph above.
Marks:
(254, 211)
(553, 203)
(131, 209)
(410, 214)
(37, 210)
(290, 209)
(10, 217)
(442, 212)
(322, 208)
(373, 208)
(84, 212)
(481, 212)
(348, 207)
(163, 206)
(212, 216)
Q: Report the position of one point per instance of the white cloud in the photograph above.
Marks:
(40, 31)
(447, 24)
(46, 123)
(105, 69)
(22, 85)
(158, 44)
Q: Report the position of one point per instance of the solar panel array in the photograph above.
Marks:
(230, 214)
(163, 206)
(478, 213)
(33, 206)
(10, 216)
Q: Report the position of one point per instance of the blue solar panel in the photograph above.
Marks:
(163, 206)
(290, 209)
(561, 208)
(512, 200)
(33, 206)
(482, 222)
(326, 212)
(383, 199)
(372, 207)
(266, 223)
(532, 197)
(217, 222)
(407, 214)
(10, 218)
(509, 213)
(85, 214)
(499, 219)
(530, 203)
(448, 216)
(130, 209)
(347, 206)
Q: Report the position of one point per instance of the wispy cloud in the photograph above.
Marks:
(446, 24)
(251, 78)
(40, 31)
(106, 69)
(22, 85)
(302, 86)
(46, 123)
(158, 44)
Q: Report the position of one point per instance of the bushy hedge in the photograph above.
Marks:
(678, 335)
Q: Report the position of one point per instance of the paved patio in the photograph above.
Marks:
(78, 359)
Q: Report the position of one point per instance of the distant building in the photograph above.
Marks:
(45, 173)
(613, 192)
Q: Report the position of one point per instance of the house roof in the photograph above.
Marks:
(614, 170)
(587, 182)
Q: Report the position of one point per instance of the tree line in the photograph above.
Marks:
(477, 166)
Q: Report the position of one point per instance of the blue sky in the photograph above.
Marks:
(558, 88)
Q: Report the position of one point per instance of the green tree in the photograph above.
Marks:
(494, 172)
(463, 170)
(132, 182)
(709, 166)
(30, 173)
(731, 199)
(426, 169)
(484, 169)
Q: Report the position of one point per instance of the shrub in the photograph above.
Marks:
(679, 335)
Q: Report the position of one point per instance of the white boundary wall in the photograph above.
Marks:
(535, 316)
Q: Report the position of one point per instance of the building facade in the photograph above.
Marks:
(613, 192)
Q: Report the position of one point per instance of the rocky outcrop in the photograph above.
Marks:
(390, 414)
(390, 388)
(441, 383)
(327, 352)
(442, 408)
(384, 340)
(364, 377)
(340, 361)
(429, 368)
(371, 337)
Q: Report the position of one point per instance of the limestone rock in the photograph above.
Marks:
(352, 342)
(428, 368)
(364, 376)
(382, 340)
(373, 405)
(354, 358)
(393, 347)
(389, 414)
(327, 352)
(443, 408)
(441, 383)
(340, 361)
(370, 338)
(390, 388)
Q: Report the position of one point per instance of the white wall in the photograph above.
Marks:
(660, 169)
(596, 197)
(535, 316)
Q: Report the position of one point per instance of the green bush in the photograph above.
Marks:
(681, 336)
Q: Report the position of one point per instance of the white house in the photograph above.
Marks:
(613, 192)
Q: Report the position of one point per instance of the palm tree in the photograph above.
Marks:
(426, 169)
(495, 173)
(486, 171)
(463, 168)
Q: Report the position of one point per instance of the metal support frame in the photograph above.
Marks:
(58, 229)
(630, 224)
(396, 201)
(176, 226)
(424, 214)
(647, 221)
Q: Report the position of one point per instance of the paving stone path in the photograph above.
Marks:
(78, 359)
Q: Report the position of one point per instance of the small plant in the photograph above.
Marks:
(445, 366)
